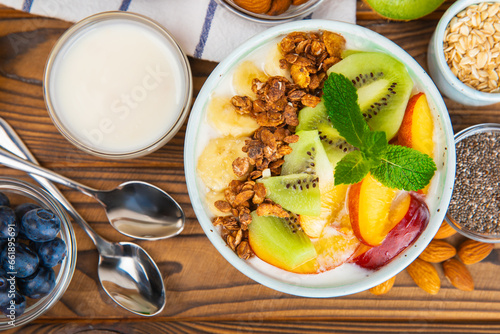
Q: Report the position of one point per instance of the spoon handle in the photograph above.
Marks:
(10, 160)
(11, 142)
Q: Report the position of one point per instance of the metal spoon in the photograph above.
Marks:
(136, 209)
(126, 271)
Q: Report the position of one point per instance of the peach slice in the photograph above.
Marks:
(369, 206)
(417, 128)
(332, 201)
(404, 234)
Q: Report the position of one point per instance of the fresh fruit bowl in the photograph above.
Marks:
(207, 126)
(19, 193)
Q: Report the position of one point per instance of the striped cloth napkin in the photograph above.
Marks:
(203, 28)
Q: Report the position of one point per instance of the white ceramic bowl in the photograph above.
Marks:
(441, 73)
(357, 38)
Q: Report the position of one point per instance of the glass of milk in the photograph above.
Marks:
(117, 85)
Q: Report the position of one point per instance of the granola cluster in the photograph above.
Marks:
(278, 100)
(309, 55)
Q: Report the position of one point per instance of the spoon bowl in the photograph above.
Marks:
(140, 210)
(136, 209)
(126, 271)
(129, 276)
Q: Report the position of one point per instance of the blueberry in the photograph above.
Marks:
(9, 226)
(15, 306)
(40, 225)
(39, 284)
(19, 259)
(4, 200)
(22, 209)
(50, 253)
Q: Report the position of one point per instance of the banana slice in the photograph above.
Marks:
(211, 197)
(272, 66)
(223, 117)
(215, 164)
(243, 77)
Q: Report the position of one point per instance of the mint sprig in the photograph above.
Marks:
(394, 166)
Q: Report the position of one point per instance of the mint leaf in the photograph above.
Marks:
(404, 168)
(374, 146)
(351, 169)
(341, 101)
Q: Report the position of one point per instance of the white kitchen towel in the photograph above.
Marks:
(203, 28)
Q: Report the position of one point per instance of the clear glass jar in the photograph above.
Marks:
(455, 222)
(129, 83)
(21, 192)
(293, 13)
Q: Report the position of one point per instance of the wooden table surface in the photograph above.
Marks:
(210, 295)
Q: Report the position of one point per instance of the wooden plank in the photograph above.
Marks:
(309, 327)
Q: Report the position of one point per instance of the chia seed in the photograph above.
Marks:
(475, 204)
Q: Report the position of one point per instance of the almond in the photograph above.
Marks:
(438, 251)
(384, 287)
(445, 231)
(279, 7)
(254, 6)
(471, 251)
(425, 275)
(458, 275)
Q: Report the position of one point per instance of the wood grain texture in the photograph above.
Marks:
(226, 327)
(209, 295)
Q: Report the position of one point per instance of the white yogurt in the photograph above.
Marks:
(117, 86)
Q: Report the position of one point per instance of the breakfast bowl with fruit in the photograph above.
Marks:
(319, 158)
(38, 252)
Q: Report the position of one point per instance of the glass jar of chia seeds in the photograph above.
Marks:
(474, 209)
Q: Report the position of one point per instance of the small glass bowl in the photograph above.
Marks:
(470, 131)
(21, 192)
(182, 100)
(441, 73)
(293, 13)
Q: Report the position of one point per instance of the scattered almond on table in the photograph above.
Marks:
(438, 251)
(425, 275)
(455, 268)
(471, 251)
(445, 231)
(458, 275)
(384, 287)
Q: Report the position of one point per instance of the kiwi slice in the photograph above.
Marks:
(279, 243)
(298, 193)
(383, 85)
(334, 144)
(308, 156)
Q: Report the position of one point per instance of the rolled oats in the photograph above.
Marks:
(472, 46)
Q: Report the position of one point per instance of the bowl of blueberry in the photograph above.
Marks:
(37, 252)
